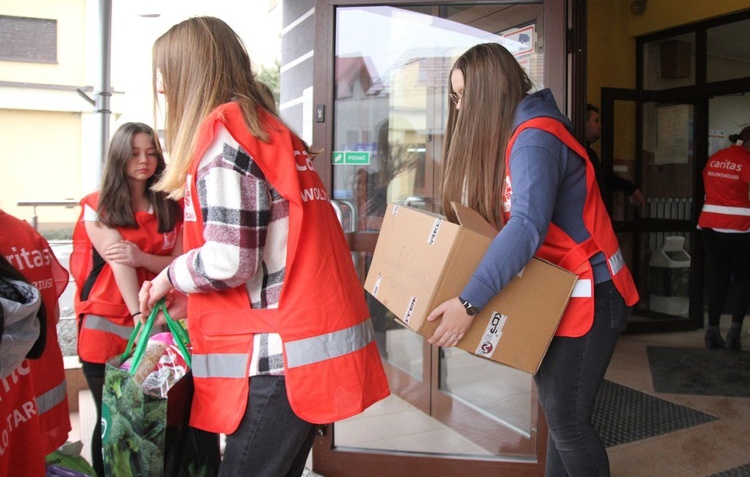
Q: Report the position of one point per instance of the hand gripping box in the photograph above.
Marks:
(421, 259)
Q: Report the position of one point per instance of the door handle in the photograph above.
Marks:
(417, 201)
(346, 211)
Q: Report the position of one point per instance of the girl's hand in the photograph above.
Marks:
(177, 305)
(126, 253)
(153, 291)
(453, 325)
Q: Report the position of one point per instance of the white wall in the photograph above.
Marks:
(729, 115)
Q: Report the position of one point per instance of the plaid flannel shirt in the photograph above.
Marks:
(246, 226)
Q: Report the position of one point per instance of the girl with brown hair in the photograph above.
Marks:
(126, 233)
(510, 155)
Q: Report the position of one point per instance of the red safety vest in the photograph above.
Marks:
(104, 320)
(560, 249)
(30, 254)
(726, 177)
(331, 361)
(20, 426)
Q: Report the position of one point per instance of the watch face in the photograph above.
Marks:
(471, 310)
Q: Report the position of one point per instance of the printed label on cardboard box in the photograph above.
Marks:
(491, 336)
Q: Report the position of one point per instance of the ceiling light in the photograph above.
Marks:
(637, 7)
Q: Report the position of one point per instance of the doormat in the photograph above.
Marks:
(699, 371)
(622, 415)
(743, 471)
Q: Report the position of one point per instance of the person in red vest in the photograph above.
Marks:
(126, 234)
(282, 338)
(32, 256)
(725, 227)
(510, 155)
(22, 321)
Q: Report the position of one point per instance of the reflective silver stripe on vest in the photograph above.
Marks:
(298, 353)
(582, 288)
(328, 346)
(722, 209)
(220, 365)
(99, 323)
(616, 262)
(51, 398)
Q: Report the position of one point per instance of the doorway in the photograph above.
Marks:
(664, 133)
(692, 91)
(385, 89)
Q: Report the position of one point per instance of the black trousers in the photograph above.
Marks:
(94, 374)
(727, 258)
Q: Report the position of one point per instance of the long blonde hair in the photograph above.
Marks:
(201, 63)
(473, 167)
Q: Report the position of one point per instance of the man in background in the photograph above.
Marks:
(608, 181)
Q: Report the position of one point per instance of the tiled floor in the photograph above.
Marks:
(699, 451)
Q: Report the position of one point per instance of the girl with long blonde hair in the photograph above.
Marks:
(274, 308)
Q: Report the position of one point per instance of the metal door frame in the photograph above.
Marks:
(327, 458)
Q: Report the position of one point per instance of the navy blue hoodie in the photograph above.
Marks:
(549, 186)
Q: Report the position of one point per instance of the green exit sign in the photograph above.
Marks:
(351, 158)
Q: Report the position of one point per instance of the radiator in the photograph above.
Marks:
(674, 208)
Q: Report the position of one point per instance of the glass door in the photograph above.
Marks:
(660, 140)
(450, 412)
(691, 88)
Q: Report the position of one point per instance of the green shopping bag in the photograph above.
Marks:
(67, 462)
(144, 434)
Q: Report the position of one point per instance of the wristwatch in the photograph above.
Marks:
(471, 310)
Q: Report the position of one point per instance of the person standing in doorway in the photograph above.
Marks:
(510, 155)
(725, 226)
(281, 335)
(607, 179)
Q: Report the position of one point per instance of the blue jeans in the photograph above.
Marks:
(270, 440)
(568, 381)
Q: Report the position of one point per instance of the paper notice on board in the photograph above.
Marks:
(673, 134)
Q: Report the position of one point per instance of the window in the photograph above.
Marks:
(727, 57)
(28, 39)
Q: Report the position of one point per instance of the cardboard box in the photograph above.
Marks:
(421, 260)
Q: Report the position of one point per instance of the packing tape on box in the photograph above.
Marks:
(376, 286)
(410, 309)
(434, 231)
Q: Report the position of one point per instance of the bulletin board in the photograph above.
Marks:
(674, 135)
